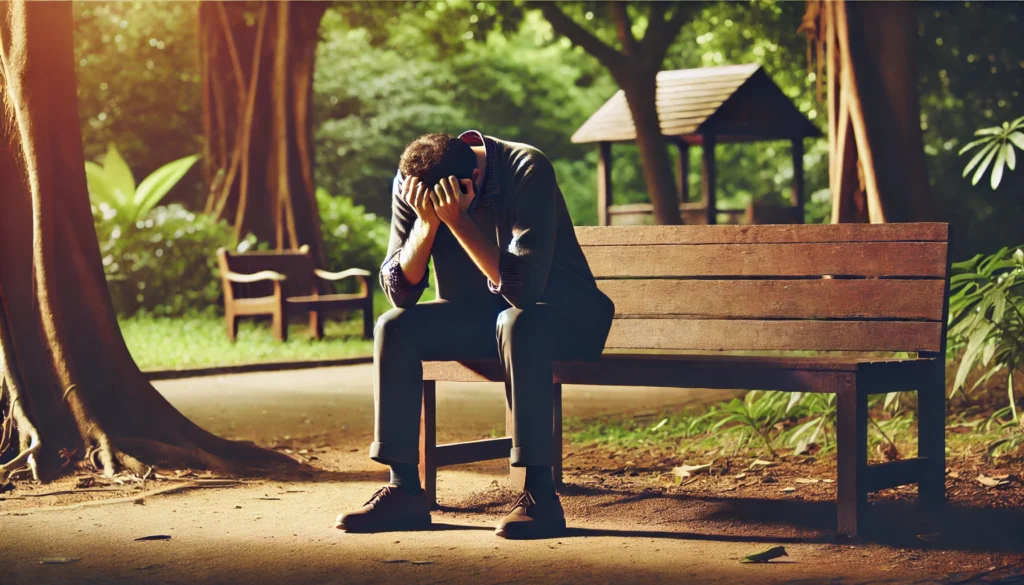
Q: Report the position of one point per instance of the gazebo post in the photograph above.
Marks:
(797, 151)
(604, 182)
(683, 170)
(708, 184)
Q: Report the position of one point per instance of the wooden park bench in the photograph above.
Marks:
(280, 284)
(805, 304)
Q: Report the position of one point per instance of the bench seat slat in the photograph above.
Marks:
(811, 374)
(761, 234)
(795, 299)
(886, 259)
(774, 335)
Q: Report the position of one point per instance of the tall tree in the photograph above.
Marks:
(634, 64)
(257, 86)
(877, 164)
(68, 385)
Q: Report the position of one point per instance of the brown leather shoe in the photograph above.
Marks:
(389, 509)
(532, 518)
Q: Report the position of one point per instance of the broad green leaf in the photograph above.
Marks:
(1017, 123)
(984, 164)
(997, 168)
(994, 130)
(977, 157)
(889, 398)
(1017, 138)
(971, 145)
(157, 185)
(120, 176)
(986, 354)
(794, 398)
(100, 189)
(1011, 156)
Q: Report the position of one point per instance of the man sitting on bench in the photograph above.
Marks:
(512, 283)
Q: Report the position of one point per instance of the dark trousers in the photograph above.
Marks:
(525, 340)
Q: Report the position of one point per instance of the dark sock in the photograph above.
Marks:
(539, 481)
(406, 476)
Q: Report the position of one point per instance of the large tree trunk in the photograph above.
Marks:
(257, 67)
(641, 91)
(877, 164)
(70, 387)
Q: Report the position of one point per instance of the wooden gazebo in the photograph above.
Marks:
(705, 107)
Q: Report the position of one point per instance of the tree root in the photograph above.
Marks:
(24, 458)
(132, 498)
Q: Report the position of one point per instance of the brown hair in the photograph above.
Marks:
(432, 157)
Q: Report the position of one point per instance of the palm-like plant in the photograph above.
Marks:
(986, 318)
(113, 184)
(996, 143)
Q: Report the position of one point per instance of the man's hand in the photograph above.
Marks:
(417, 195)
(450, 203)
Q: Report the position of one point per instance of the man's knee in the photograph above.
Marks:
(521, 325)
(389, 324)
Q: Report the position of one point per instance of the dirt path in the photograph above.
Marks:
(240, 536)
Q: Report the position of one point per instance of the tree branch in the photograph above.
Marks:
(661, 31)
(623, 27)
(568, 28)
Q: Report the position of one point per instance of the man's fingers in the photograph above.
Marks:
(418, 197)
(436, 195)
(453, 182)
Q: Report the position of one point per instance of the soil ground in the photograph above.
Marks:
(630, 521)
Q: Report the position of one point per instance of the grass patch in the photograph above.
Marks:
(177, 343)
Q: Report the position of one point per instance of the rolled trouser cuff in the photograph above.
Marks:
(388, 453)
(517, 457)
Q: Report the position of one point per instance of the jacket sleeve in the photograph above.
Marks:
(524, 266)
(399, 291)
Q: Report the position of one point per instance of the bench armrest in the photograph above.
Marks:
(335, 276)
(255, 277)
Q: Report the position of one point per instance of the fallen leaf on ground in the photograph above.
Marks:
(760, 464)
(806, 480)
(58, 561)
(685, 471)
(953, 474)
(421, 562)
(788, 490)
(395, 561)
(740, 475)
(765, 555)
(990, 481)
(269, 499)
(828, 481)
(153, 537)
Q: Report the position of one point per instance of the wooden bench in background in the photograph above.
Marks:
(690, 298)
(279, 284)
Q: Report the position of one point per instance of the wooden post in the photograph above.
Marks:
(708, 185)
(428, 442)
(604, 182)
(798, 178)
(683, 170)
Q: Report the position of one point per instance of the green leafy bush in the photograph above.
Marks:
(113, 184)
(353, 238)
(164, 264)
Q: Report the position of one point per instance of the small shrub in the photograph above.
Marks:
(353, 238)
(164, 264)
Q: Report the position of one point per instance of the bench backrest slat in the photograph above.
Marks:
(296, 266)
(848, 287)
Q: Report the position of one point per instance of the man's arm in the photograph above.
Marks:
(519, 273)
(403, 275)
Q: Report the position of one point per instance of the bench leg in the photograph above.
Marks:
(852, 455)
(556, 434)
(428, 442)
(516, 475)
(231, 321)
(368, 318)
(279, 326)
(931, 441)
(316, 325)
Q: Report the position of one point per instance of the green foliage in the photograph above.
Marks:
(112, 185)
(139, 84)
(996, 143)
(164, 264)
(353, 238)
(986, 319)
(193, 340)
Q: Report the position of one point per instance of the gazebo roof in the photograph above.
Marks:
(738, 103)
